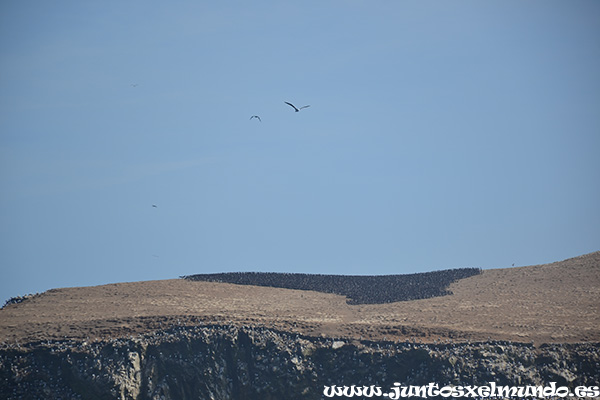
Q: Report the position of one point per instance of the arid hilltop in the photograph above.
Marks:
(556, 302)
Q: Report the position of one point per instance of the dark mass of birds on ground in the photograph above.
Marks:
(374, 289)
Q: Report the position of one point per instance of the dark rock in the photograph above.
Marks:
(225, 362)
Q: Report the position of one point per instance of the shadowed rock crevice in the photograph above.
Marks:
(373, 289)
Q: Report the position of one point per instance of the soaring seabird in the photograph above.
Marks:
(257, 117)
(294, 107)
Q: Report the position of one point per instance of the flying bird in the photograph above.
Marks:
(294, 107)
(257, 117)
(154, 205)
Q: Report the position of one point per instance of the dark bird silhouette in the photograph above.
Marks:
(257, 117)
(154, 205)
(294, 107)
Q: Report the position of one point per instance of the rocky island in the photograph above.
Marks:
(276, 336)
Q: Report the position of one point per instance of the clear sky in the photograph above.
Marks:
(439, 135)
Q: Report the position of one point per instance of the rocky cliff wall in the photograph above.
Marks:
(221, 362)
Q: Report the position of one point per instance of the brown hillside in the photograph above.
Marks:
(558, 302)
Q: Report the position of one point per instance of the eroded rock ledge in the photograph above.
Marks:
(228, 362)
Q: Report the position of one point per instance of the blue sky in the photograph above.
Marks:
(440, 135)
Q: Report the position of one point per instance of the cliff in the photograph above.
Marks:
(227, 362)
(192, 339)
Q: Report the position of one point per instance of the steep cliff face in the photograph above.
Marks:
(222, 362)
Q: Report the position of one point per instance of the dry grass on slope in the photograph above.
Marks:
(556, 302)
